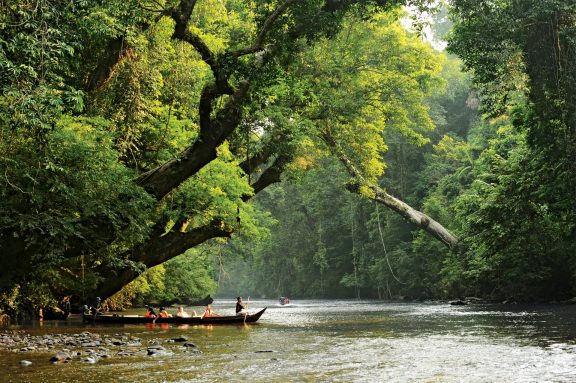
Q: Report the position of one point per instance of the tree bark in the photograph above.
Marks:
(162, 246)
(412, 215)
(116, 50)
(156, 251)
(165, 178)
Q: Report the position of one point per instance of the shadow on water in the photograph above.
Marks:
(341, 341)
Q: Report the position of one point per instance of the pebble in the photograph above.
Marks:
(25, 363)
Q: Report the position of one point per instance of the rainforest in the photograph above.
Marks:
(167, 150)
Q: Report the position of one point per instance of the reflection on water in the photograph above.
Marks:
(334, 341)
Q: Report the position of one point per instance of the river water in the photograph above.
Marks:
(332, 341)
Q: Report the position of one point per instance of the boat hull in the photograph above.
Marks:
(132, 319)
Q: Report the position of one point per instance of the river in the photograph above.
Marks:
(331, 341)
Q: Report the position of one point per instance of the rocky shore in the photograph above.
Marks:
(89, 347)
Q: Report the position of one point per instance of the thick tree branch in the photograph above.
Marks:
(414, 216)
(158, 250)
(162, 247)
(205, 53)
(165, 178)
(268, 177)
(259, 42)
(181, 16)
(210, 93)
(251, 164)
(115, 52)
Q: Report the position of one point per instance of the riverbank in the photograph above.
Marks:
(89, 347)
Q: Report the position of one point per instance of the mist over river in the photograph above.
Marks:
(320, 341)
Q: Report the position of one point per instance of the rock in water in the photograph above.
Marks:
(25, 363)
(90, 360)
(60, 357)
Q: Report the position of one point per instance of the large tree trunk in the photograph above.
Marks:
(167, 177)
(214, 130)
(155, 251)
(161, 246)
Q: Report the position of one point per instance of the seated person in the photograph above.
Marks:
(209, 313)
(150, 313)
(163, 313)
(241, 307)
(181, 313)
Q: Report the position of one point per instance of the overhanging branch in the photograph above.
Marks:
(412, 215)
(158, 250)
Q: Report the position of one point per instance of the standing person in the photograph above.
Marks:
(241, 308)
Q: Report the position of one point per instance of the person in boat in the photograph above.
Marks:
(181, 313)
(163, 313)
(150, 313)
(241, 308)
(208, 312)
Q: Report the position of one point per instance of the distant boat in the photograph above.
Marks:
(129, 319)
(284, 301)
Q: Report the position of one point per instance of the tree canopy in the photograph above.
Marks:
(133, 132)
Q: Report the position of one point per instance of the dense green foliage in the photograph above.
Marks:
(133, 131)
(521, 229)
(504, 180)
(134, 134)
(336, 244)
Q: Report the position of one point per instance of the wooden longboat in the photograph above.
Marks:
(129, 319)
